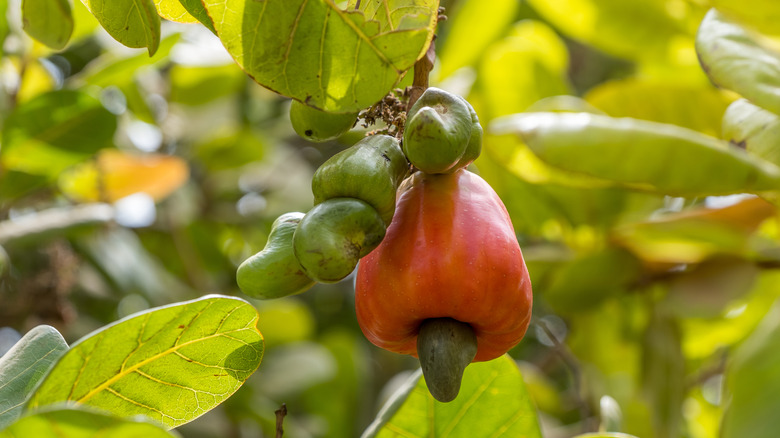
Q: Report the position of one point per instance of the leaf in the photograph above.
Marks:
(605, 435)
(492, 398)
(619, 27)
(761, 14)
(198, 11)
(45, 135)
(696, 107)
(171, 363)
(754, 129)
(463, 46)
(48, 21)
(78, 422)
(736, 59)
(655, 157)
(527, 65)
(24, 365)
(753, 383)
(134, 23)
(173, 10)
(113, 174)
(313, 51)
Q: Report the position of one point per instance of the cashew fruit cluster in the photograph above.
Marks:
(441, 275)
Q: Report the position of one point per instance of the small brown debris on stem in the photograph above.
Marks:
(280, 414)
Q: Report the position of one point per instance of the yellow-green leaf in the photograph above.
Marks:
(198, 11)
(492, 397)
(313, 51)
(650, 156)
(172, 363)
(48, 21)
(78, 422)
(134, 23)
(173, 10)
(753, 128)
(739, 60)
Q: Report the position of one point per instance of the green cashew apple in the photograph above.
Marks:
(319, 126)
(438, 131)
(371, 171)
(474, 146)
(334, 235)
(274, 272)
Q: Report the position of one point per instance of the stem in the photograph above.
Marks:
(280, 414)
(445, 348)
(422, 68)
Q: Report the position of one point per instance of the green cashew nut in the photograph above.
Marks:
(445, 347)
(334, 235)
(438, 130)
(274, 272)
(371, 171)
(319, 126)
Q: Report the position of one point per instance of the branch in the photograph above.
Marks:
(54, 221)
(280, 414)
(422, 68)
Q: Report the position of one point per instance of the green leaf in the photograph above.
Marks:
(463, 46)
(643, 155)
(761, 14)
(134, 23)
(313, 51)
(528, 64)
(173, 10)
(492, 398)
(48, 21)
(197, 10)
(172, 363)
(78, 422)
(605, 435)
(619, 27)
(753, 383)
(45, 135)
(754, 129)
(697, 107)
(24, 365)
(736, 59)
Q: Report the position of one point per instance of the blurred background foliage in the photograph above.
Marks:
(129, 181)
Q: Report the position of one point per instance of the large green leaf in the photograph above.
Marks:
(313, 51)
(753, 382)
(23, 366)
(197, 10)
(48, 21)
(753, 128)
(172, 364)
(693, 106)
(492, 398)
(761, 14)
(173, 10)
(463, 46)
(645, 155)
(45, 135)
(735, 59)
(74, 422)
(528, 64)
(134, 23)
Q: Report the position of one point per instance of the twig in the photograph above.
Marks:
(55, 220)
(280, 414)
(422, 68)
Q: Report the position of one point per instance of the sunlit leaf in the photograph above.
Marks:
(48, 21)
(619, 27)
(198, 11)
(761, 14)
(134, 23)
(737, 59)
(114, 174)
(527, 65)
(78, 422)
(173, 10)
(694, 235)
(464, 44)
(753, 382)
(645, 155)
(695, 107)
(313, 51)
(55, 130)
(172, 363)
(492, 398)
(24, 365)
(753, 128)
